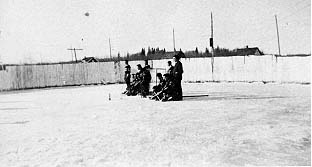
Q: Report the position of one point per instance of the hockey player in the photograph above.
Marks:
(127, 76)
(146, 79)
(167, 92)
(158, 87)
(135, 86)
(170, 68)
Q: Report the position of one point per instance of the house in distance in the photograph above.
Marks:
(89, 60)
(249, 51)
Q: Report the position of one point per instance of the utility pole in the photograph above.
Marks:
(74, 49)
(211, 45)
(110, 48)
(278, 42)
(173, 40)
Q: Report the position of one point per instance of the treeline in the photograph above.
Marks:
(157, 53)
(218, 52)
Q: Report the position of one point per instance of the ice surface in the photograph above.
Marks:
(237, 124)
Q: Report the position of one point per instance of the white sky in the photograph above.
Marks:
(42, 30)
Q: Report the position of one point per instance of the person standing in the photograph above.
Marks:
(146, 65)
(170, 68)
(146, 79)
(177, 76)
(127, 76)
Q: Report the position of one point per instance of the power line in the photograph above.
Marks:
(74, 49)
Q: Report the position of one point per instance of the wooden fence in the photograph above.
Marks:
(40, 76)
(245, 69)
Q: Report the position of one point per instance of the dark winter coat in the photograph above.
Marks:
(178, 71)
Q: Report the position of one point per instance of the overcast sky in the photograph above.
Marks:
(42, 30)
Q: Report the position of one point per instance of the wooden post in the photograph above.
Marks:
(174, 49)
(110, 49)
(211, 43)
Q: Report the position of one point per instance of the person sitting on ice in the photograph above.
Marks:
(167, 92)
(160, 85)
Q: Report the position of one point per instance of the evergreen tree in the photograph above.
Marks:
(118, 56)
(143, 51)
(149, 50)
(196, 50)
(128, 56)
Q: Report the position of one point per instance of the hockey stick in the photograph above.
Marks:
(203, 95)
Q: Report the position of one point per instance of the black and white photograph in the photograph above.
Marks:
(155, 83)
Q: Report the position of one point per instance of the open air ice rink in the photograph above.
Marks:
(237, 124)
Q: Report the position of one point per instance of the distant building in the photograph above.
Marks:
(249, 51)
(89, 60)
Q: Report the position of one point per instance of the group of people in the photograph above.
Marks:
(168, 88)
(141, 80)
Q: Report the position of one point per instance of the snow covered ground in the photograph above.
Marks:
(237, 124)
